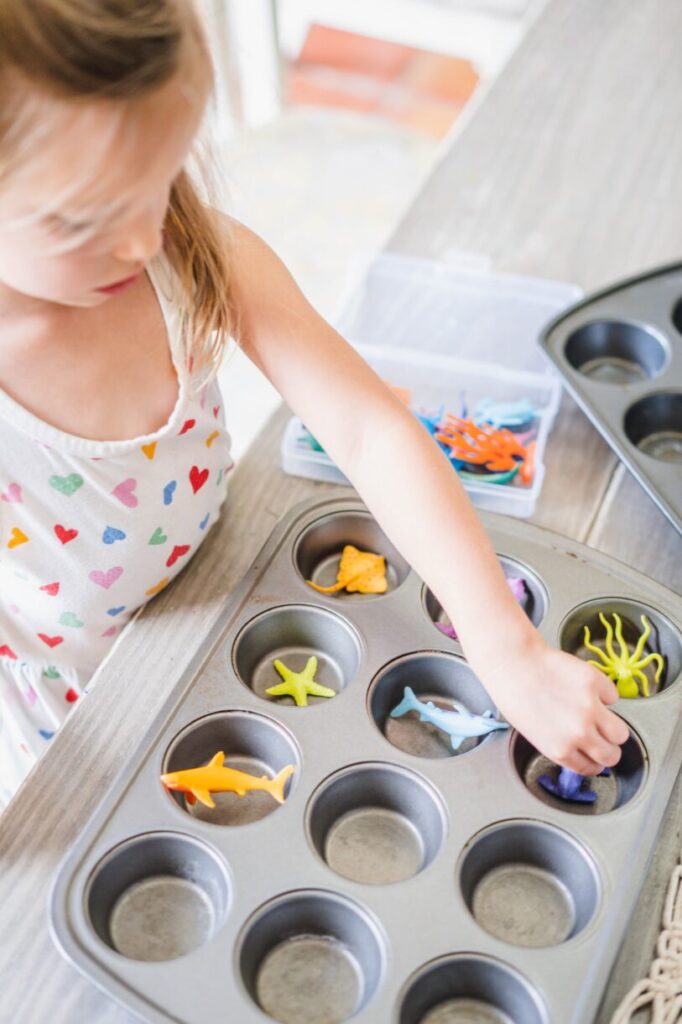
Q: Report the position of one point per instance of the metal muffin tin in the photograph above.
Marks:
(620, 354)
(400, 883)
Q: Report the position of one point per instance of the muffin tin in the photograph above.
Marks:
(620, 354)
(401, 882)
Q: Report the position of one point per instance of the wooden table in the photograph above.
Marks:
(568, 167)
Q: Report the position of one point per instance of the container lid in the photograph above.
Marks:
(454, 308)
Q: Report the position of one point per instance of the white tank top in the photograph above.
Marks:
(89, 532)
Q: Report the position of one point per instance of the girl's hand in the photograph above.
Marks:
(559, 703)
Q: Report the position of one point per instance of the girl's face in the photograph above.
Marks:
(86, 209)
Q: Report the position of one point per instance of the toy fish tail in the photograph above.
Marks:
(276, 786)
(408, 703)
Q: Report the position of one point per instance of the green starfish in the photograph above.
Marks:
(299, 684)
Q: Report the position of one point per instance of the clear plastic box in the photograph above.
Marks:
(443, 331)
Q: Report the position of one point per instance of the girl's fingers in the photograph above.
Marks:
(612, 728)
(582, 764)
(606, 688)
(600, 751)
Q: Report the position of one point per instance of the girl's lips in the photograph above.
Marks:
(118, 286)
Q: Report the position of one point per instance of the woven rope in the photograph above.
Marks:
(661, 991)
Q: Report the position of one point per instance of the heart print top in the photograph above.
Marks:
(89, 532)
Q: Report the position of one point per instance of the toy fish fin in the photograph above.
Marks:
(275, 787)
(408, 703)
(217, 760)
(460, 709)
(456, 741)
(204, 796)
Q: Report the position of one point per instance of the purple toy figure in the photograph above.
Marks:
(570, 786)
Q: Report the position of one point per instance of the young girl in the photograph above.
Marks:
(118, 289)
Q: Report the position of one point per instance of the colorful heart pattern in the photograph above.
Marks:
(13, 493)
(111, 535)
(198, 477)
(178, 551)
(125, 492)
(67, 485)
(106, 579)
(64, 534)
(95, 549)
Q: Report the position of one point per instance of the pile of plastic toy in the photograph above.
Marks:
(494, 445)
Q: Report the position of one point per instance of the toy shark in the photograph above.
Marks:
(460, 724)
(199, 783)
(570, 785)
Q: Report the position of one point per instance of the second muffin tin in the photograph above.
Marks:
(620, 354)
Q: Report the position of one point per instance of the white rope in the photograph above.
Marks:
(661, 991)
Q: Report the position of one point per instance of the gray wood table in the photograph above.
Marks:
(568, 167)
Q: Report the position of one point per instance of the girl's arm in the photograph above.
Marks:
(557, 701)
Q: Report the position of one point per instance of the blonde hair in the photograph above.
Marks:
(123, 50)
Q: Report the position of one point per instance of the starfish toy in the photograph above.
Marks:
(359, 572)
(495, 450)
(299, 684)
(570, 785)
(625, 668)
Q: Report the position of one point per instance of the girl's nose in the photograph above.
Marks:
(142, 241)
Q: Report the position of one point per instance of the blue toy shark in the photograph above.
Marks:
(460, 724)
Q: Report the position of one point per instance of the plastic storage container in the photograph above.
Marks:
(450, 335)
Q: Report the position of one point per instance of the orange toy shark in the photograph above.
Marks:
(198, 783)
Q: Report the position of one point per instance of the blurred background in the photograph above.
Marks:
(328, 115)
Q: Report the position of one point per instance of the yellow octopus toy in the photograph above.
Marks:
(625, 668)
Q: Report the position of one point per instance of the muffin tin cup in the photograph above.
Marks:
(157, 897)
(391, 855)
(470, 989)
(311, 956)
(620, 354)
(612, 791)
(664, 637)
(529, 884)
(534, 601)
(254, 744)
(376, 823)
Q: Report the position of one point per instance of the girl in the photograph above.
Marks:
(118, 289)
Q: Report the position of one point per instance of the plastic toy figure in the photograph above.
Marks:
(625, 669)
(299, 684)
(517, 585)
(460, 724)
(497, 451)
(570, 785)
(214, 777)
(359, 572)
(505, 414)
